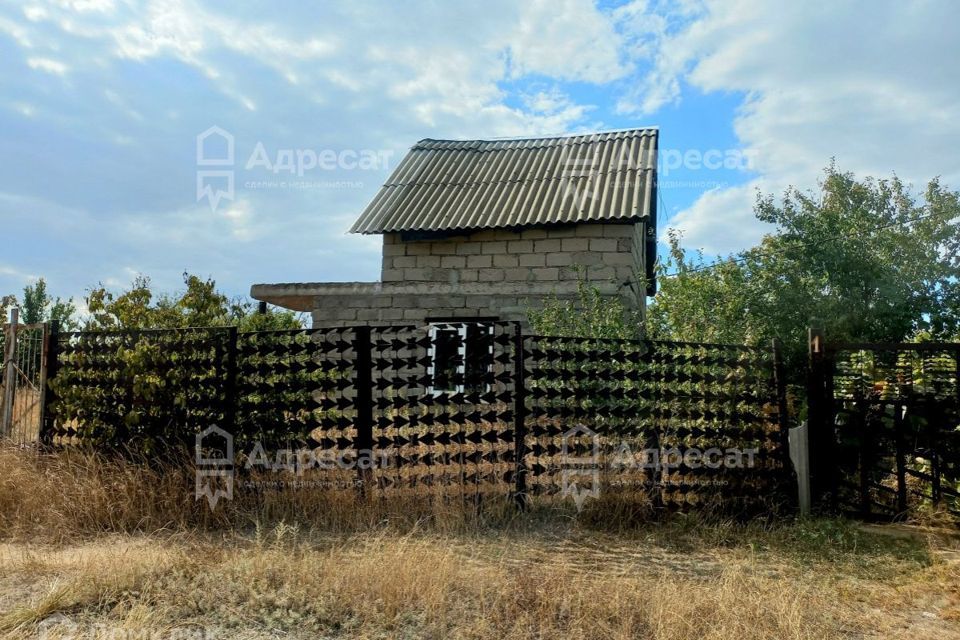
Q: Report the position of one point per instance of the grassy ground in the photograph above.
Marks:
(93, 570)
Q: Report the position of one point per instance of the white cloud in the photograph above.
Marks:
(875, 88)
(46, 64)
(565, 39)
(35, 13)
(721, 221)
(100, 6)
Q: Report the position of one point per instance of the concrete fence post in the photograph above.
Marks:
(800, 457)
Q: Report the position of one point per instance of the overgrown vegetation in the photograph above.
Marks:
(37, 305)
(136, 553)
(864, 259)
(199, 304)
(589, 315)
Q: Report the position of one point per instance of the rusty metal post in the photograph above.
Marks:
(821, 433)
(10, 374)
(780, 382)
(48, 371)
(363, 387)
(519, 420)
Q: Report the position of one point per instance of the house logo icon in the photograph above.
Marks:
(213, 457)
(580, 462)
(580, 179)
(215, 148)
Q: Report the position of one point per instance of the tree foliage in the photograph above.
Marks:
(38, 305)
(200, 304)
(864, 259)
(154, 390)
(590, 314)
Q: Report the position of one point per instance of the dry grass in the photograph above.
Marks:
(100, 547)
(71, 494)
(285, 582)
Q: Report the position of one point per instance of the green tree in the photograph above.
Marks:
(5, 303)
(864, 259)
(155, 387)
(200, 304)
(39, 306)
(701, 305)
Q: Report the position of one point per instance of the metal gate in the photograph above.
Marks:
(886, 419)
(23, 381)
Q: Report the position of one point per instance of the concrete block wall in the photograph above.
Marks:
(489, 274)
(385, 308)
(592, 251)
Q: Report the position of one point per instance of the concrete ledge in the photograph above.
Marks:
(302, 296)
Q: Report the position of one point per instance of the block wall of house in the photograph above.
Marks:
(595, 252)
(387, 308)
(492, 274)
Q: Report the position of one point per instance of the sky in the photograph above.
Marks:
(106, 171)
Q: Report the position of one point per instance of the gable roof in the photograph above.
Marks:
(443, 185)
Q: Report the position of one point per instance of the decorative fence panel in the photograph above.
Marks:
(459, 407)
(138, 388)
(296, 389)
(443, 406)
(690, 423)
(894, 412)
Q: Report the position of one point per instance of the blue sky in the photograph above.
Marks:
(101, 103)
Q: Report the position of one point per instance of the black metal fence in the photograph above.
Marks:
(477, 406)
(663, 400)
(888, 423)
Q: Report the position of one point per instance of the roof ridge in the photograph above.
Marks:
(636, 131)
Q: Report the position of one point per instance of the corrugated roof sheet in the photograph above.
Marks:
(479, 184)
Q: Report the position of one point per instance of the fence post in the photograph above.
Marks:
(230, 411)
(780, 383)
(821, 436)
(934, 426)
(800, 457)
(51, 348)
(10, 374)
(519, 420)
(865, 456)
(901, 458)
(363, 379)
(779, 379)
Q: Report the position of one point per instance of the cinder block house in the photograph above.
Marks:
(486, 229)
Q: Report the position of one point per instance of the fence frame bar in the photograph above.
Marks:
(519, 419)
(363, 382)
(47, 418)
(9, 374)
